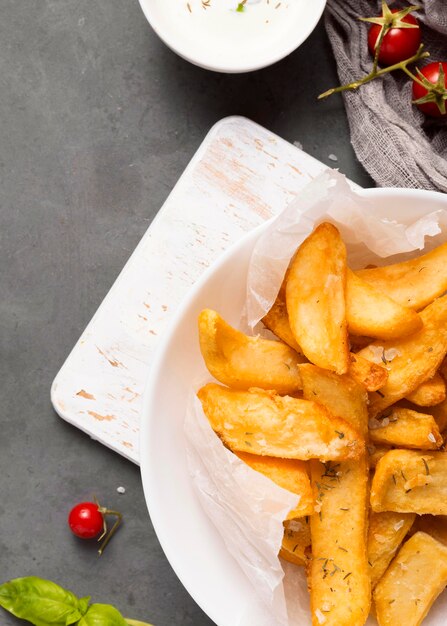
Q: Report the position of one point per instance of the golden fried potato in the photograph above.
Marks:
(289, 474)
(296, 541)
(402, 427)
(439, 412)
(429, 393)
(407, 481)
(338, 573)
(414, 283)
(315, 298)
(412, 583)
(386, 532)
(371, 375)
(370, 312)
(242, 362)
(262, 422)
(414, 360)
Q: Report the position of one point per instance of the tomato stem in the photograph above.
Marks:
(112, 531)
(402, 65)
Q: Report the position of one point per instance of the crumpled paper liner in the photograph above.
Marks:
(245, 506)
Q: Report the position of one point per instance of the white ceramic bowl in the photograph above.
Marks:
(222, 39)
(187, 536)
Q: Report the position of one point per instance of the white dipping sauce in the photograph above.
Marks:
(213, 33)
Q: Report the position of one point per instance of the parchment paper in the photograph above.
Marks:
(246, 507)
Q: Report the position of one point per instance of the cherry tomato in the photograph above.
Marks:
(85, 520)
(398, 44)
(431, 73)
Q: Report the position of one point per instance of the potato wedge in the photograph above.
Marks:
(414, 283)
(277, 319)
(241, 362)
(296, 541)
(415, 358)
(433, 525)
(407, 481)
(439, 412)
(371, 375)
(429, 393)
(412, 583)
(338, 573)
(315, 298)
(340, 587)
(401, 427)
(289, 474)
(370, 312)
(386, 532)
(262, 422)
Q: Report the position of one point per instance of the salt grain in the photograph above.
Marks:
(297, 144)
(121, 490)
(399, 525)
(320, 617)
(333, 157)
(432, 438)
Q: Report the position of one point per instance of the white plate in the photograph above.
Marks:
(190, 541)
(219, 38)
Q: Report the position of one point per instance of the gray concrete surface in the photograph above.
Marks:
(86, 89)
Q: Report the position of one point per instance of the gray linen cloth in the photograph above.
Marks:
(397, 144)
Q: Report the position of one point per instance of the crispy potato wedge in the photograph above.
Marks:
(376, 453)
(289, 474)
(412, 583)
(371, 375)
(296, 541)
(415, 359)
(277, 319)
(401, 427)
(341, 395)
(429, 393)
(371, 312)
(338, 573)
(386, 532)
(241, 362)
(315, 298)
(439, 412)
(262, 422)
(414, 283)
(433, 525)
(340, 587)
(407, 481)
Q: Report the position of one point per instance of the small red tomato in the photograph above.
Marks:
(431, 73)
(398, 44)
(85, 520)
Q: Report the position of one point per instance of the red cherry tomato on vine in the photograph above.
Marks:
(431, 73)
(85, 520)
(398, 44)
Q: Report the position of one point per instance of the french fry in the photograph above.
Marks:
(315, 298)
(262, 422)
(439, 412)
(338, 574)
(433, 525)
(386, 532)
(407, 481)
(412, 583)
(370, 312)
(296, 541)
(370, 375)
(415, 358)
(289, 474)
(241, 362)
(429, 393)
(414, 283)
(402, 427)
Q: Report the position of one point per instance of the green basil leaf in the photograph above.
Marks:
(102, 615)
(39, 601)
(83, 604)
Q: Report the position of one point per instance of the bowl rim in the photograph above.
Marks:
(197, 60)
(147, 477)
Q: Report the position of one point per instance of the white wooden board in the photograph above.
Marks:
(241, 175)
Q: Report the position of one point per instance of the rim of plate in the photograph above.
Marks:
(148, 477)
(264, 61)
